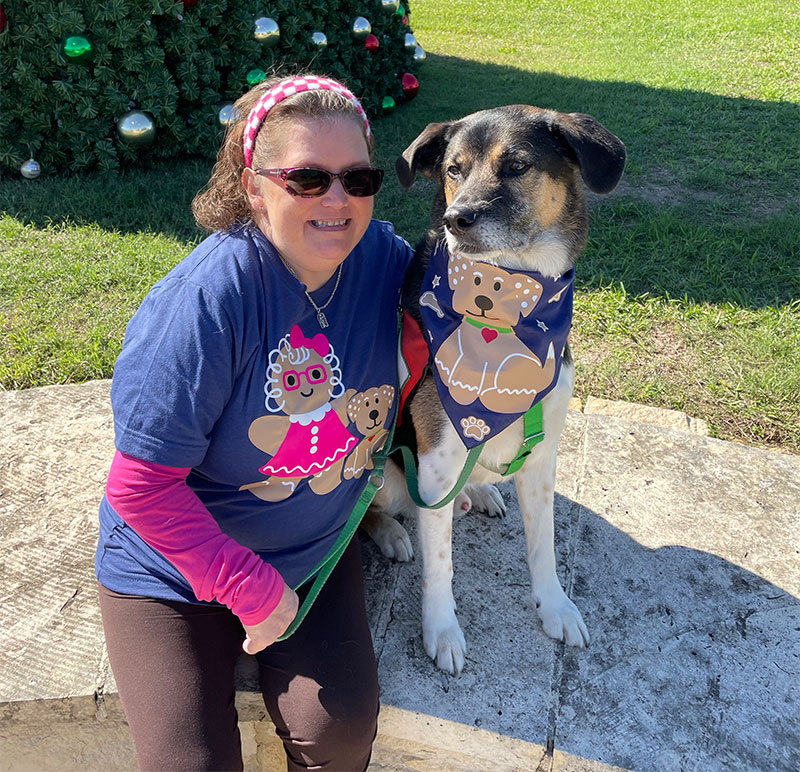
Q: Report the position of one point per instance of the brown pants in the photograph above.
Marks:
(174, 667)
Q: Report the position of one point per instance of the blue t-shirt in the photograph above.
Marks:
(225, 369)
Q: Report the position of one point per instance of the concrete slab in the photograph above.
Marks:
(681, 550)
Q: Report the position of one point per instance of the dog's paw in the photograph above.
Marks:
(392, 539)
(446, 646)
(487, 499)
(475, 428)
(562, 620)
(462, 504)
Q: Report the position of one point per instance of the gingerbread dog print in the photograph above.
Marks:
(368, 410)
(483, 359)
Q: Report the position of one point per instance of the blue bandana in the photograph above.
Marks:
(496, 337)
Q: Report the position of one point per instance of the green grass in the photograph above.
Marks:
(688, 290)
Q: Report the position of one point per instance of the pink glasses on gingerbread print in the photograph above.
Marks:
(313, 374)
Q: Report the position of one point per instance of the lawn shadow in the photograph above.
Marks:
(708, 208)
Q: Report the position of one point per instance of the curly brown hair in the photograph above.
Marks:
(223, 201)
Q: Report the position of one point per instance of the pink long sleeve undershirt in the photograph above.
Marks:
(157, 503)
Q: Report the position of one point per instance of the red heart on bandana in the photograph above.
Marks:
(488, 334)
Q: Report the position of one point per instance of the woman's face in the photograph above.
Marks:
(313, 235)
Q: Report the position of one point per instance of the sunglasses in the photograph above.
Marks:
(310, 183)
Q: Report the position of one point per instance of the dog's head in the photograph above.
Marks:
(369, 409)
(511, 182)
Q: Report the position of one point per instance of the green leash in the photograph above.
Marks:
(325, 568)
(533, 434)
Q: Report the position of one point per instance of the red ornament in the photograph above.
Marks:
(372, 43)
(189, 3)
(405, 20)
(410, 85)
(2, 19)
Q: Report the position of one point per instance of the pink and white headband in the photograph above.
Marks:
(281, 91)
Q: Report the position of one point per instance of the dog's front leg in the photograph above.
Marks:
(535, 483)
(441, 634)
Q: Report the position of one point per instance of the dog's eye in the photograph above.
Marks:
(453, 172)
(517, 167)
(477, 281)
(497, 286)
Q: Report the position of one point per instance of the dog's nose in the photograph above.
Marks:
(373, 414)
(458, 219)
(484, 303)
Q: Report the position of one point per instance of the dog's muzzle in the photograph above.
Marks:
(459, 219)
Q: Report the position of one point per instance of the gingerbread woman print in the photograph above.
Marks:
(310, 440)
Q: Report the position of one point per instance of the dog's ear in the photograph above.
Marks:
(388, 392)
(354, 406)
(424, 154)
(528, 294)
(599, 154)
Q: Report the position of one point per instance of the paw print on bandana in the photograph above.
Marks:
(475, 428)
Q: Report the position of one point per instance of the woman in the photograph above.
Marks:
(230, 403)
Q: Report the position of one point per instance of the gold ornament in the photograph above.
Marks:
(319, 40)
(361, 28)
(136, 128)
(30, 170)
(267, 31)
(419, 54)
(390, 6)
(411, 43)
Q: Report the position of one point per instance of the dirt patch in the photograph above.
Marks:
(672, 194)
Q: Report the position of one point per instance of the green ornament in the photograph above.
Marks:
(387, 105)
(401, 11)
(255, 76)
(77, 48)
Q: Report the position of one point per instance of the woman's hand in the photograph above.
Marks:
(264, 633)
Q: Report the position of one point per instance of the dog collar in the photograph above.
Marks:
(480, 324)
(491, 372)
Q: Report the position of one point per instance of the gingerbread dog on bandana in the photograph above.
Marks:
(499, 369)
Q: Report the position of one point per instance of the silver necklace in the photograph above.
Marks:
(321, 318)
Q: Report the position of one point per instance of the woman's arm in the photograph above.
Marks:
(157, 503)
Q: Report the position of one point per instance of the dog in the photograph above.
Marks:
(510, 203)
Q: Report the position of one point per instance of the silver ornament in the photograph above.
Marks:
(267, 31)
(390, 6)
(226, 114)
(419, 54)
(30, 170)
(361, 28)
(136, 128)
(319, 40)
(411, 43)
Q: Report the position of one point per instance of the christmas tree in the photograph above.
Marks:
(99, 85)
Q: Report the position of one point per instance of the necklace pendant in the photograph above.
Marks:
(323, 322)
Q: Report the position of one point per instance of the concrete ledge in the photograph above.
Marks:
(655, 416)
(680, 550)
